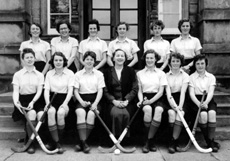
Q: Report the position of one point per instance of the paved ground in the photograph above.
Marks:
(70, 155)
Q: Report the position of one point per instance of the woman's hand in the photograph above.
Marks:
(93, 106)
(123, 104)
(147, 102)
(31, 105)
(19, 106)
(204, 105)
(84, 103)
(64, 106)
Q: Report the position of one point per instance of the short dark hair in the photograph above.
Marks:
(125, 63)
(91, 54)
(63, 22)
(38, 25)
(94, 22)
(157, 23)
(51, 62)
(151, 51)
(182, 21)
(177, 56)
(122, 23)
(200, 57)
(26, 51)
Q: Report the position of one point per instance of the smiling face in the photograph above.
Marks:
(175, 63)
(119, 57)
(150, 60)
(64, 30)
(121, 30)
(157, 30)
(200, 66)
(58, 62)
(185, 28)
(93, 30)
(29, 59)
(35, 31)
(89, 62)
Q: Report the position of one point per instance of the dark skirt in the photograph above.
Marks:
(159, 102)
(39, 65)
(166, 69)
(25, 100)
(88, 97)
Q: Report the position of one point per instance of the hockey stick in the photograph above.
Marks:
(110, 150)
(25, 147)
(192, 138)
(115, 141)
(194, 127)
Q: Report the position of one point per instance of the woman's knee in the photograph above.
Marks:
(51, 111)
(81, 113)
(31, 114)
(159, 110)
(212, 116)
(61, 113)
(172, 115)
(90, 117)
(203, 117)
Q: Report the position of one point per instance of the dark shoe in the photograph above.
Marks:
(214, 146)
(172, 146)
(78, 147)
(49, 146)
(152, 146)
(31, 149)
(145, 148)
(85, 147)
(60, 149)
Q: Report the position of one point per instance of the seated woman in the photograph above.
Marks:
(177, 86)
(201, 81)
(89, 84)
(121, 89)
(151, 82)
(59, 80)
(27, 88)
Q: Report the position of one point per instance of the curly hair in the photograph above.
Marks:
(51, 62)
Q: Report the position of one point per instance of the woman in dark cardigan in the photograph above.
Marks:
(121, 89)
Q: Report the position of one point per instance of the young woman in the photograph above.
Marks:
(124, 43)
(177, 86)
(89, 84)
(27, 88)
(158, 44)
(40, 47)
(201, 81)
(121, 89)
(95, 44)
(151, 82)
(66, 44)
(58, 80)
(186, 45)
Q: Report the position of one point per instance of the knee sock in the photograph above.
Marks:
(54, 133)
(153, 129)
(177, 129)
(60, 130)
(89, 129)
(171, 129)
(28, 128)
(204, 130)
(211, 130)
(82, 131)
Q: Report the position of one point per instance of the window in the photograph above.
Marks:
(170, 12)
(57, 10)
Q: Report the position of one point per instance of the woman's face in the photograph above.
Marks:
(175, 63)
(35, 30)
(185, 28)
(157, 30)
(121, 30)
(58, 62)
(29, 59)
(119, 58)
(93, 30)
(89, 62)
(64, 30)
(200, 66)
(150, 60)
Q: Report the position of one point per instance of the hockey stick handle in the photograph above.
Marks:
(189, 132)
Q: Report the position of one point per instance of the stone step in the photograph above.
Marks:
(9, 133)
(223, 109)
(7, 121)
(222, 120)
(6, 109)
(221, 97)
(6, 97)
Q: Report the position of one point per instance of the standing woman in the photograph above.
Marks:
(66, 44)
(121, 89)
(95, 44)
(186, 45)
(124, 43)
(177, 86)
(201, 81)
(40, 47)
(27, 88)
(151, 82)
(58, 80)
(158, 44)
(89, 84)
